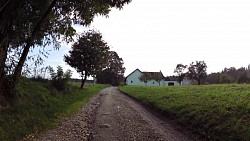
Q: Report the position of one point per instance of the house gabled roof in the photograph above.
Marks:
(132, 73)
(153, 74)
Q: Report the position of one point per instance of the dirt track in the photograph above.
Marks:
(113, 116)
(121, 118)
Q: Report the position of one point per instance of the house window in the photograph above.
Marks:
(153, 82)
(131, 81)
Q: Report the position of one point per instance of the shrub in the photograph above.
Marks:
(59, 79)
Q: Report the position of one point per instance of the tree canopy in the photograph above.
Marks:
(89, 55)
(197, 71)
(30, 23)
(181, 71)
(145, 77)
(114, 71)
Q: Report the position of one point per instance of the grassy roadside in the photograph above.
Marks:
(216, 112)
(39, 107)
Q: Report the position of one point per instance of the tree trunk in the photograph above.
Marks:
(8, 12)
(83, 79)
(18, 69)
(4, 94)
(7, 85)
(199, 82)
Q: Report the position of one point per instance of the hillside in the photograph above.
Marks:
(39, 107)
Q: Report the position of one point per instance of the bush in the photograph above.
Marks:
(60, 79)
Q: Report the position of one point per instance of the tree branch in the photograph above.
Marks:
(4, 5)
(18, 68)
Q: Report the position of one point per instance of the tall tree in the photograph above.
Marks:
(114, 71)
(25, 24)
(197, 71)
(181, 72)
(88, 55)
(145, 77)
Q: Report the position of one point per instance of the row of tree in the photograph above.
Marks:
(229, 75)
(195, 71)
(28, 24)
(90, 56)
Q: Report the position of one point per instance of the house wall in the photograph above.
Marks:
(133, 79)
(155, 83)
(186, 82)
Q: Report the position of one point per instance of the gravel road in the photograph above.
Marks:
(113, 116)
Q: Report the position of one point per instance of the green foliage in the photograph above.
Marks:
(181, 71)
(158, 77)
(197, 71)
(39, 108)
(114, 71)
(145, 77)
(60, 79)
(244, 78)
(229, 75)
(216, 112)
(32, 23)
(88, 55)
(225, 79)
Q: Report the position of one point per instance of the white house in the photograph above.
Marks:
(133, 79)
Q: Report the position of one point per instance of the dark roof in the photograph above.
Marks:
(171, 78)
(155, 74)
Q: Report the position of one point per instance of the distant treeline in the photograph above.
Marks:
(228, 75)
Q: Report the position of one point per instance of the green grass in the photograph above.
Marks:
(40, 107)
(216, 112)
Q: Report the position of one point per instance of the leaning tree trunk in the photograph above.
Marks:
(3, 79)
(29, 42)
(18, 69)
(8, 12)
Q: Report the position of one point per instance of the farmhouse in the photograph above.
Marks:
(133, 79)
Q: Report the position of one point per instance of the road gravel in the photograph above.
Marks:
(114, 116)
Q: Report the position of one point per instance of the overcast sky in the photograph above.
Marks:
(155, 35)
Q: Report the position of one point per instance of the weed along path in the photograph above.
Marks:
(113, 116)
(121, 118)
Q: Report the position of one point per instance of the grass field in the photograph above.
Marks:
(216, 112)
(40, 107)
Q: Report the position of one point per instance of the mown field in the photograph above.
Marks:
(216, 112)
(39, 107)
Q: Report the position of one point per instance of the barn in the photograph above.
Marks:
(157, 79)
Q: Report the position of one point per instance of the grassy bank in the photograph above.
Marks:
(217, 112)
(39, 107)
